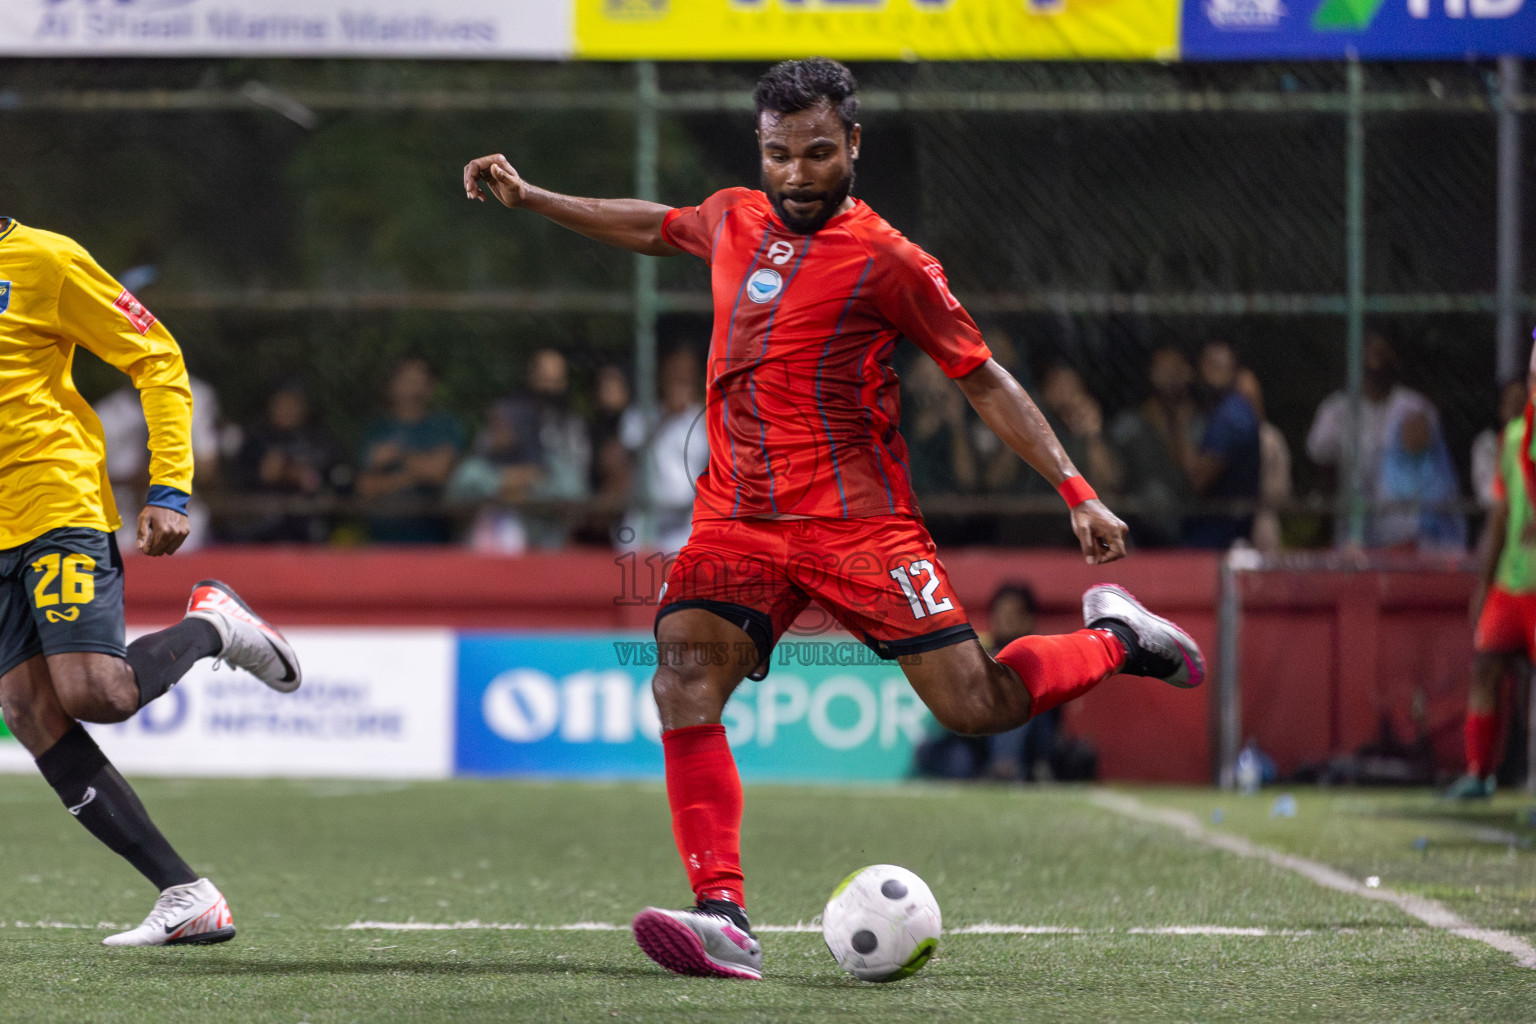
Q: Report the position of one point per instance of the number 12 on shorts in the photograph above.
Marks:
(918, 599)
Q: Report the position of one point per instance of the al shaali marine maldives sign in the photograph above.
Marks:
(296, 28)
(1372, 29)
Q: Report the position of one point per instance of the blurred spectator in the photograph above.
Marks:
(1022, 753)
(612, 470)
(1485, 446)
(999, 469)
(1226, 464)
(1384, 402)
(939, 450)
(1153, 480)
(1417, 487)
(1274, 467)
(501, 471)
(285, 454)
(1080, 418)
(127, 440)
(544, 414)
(671, 453)
(534, 448)
(406, 456)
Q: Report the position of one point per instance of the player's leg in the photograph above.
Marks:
(74, 582)
(970, 692)
(190, 909)
(70, 589)
(725, 604)
(909, 612)
(1500, 640)
(700, 663)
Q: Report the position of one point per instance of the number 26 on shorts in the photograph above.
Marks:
(921, 601)
(74, 572)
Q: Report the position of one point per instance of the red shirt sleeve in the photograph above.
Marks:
(694, 229)
(914, 296)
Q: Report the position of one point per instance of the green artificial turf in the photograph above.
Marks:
(300, 861)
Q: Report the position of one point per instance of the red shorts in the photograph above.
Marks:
(1507, 624)
(880, 577)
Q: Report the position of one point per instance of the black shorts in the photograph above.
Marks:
(59, 593)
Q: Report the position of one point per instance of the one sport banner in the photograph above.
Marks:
(580, 705)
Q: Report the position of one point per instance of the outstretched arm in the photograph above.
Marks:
(1012, 415)
(632, 224)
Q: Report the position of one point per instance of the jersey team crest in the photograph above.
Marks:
(5, 295)
(764, 285)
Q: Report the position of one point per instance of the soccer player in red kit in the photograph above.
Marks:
(807, 494)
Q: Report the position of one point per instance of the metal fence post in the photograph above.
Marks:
(1354, 227)
(1508, 288)
(647, 297)
(1229, 696)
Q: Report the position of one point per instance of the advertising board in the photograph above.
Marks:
(292, 28)
(1370, 29)
(877, 29)
(579, 705)
(375, 704)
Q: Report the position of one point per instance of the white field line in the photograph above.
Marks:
(99, 925)
(1431, 912)
(984, 928)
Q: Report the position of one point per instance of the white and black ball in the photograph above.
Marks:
(881, 923)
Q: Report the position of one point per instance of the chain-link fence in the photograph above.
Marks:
(304, 220)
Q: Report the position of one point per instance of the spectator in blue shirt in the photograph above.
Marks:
(1225, 467)
(406, 457)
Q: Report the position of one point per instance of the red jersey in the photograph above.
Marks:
(801, 402)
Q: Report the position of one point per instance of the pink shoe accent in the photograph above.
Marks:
(1196, 669)
(676, 947)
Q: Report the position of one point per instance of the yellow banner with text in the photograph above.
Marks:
(877, 29)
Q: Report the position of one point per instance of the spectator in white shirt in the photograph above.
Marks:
(1384, 403)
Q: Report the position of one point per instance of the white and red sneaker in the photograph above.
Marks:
(250, 642)
(711, 940)
(193, 914)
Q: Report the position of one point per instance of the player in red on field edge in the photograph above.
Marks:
(807, 495)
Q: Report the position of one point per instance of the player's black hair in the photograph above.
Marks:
(795, 85)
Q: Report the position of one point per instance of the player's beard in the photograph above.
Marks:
(831, 200)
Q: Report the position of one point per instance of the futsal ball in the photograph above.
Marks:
(881, 924)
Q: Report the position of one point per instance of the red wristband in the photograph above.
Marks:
(1074, 490)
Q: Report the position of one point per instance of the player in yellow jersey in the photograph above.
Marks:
(63, 660)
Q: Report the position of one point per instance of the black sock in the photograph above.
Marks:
(1125, 634)
(160, 659)
(106, 805)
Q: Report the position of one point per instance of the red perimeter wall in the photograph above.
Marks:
(1324, 656)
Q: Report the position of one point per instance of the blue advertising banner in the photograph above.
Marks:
(579, 705)
(1370, 29)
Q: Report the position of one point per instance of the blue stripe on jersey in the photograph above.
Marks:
(730, 333)
(869, 422)
(11, 226)
(762, 432)
(714, 243)
(820, 363)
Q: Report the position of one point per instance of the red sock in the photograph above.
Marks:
(705, 793)
(1478, 735)
(1055, 669)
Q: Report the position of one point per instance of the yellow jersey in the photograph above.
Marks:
(53, 296)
